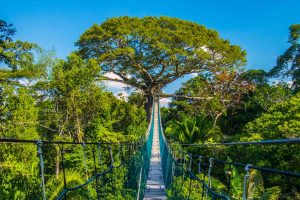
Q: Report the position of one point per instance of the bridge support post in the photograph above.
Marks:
(246, 178)
(111, 156)
(209, 175)
(40, 153)
(190, 173)
(95, 172)
(62, 152)
(99, 155)
(85, 166)
(199, 164)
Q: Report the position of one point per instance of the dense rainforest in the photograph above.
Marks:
(47, 98)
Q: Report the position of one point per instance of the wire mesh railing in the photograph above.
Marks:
(75, 170)
(189, 175)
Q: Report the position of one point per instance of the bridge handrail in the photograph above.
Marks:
(65, 191)
(12, 140)
(271, 170)
(192, 175)
(151, 121)
(246, 166)
(261, 142)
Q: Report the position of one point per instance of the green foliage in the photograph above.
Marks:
(16, 57)
(42, 97)
(257, 77)
(268, 95)
(212, 95)
(280, 121)
(288, 63)
(271, 194)
(73, 178)
(184, 188)
(198, 129)
(18, 164)
(149, 53)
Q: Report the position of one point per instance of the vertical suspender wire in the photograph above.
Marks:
(111, 156)
(229, 179)
(139, 184)
(40, 153)
(203, 182)
(182, 170)
(199, 164)
(112, 168)
(95, 172)
(209, 172)
(84, 160)
(172, 170)
(199, 173)
(99, 155)
(120, 153)
(167, 171)
(209, 175)
(190, 175)
(62, 152)
(100, 164)
(85, 166)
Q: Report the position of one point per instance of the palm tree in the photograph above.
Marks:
(197, 129)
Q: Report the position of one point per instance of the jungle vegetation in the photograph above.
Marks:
(65, 99)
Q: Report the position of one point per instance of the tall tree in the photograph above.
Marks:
(6, 31)
(149, 53)
(71, 88)
(212, 95)
(288, 64)
(16, 57)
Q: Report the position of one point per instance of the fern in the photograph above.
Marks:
(56, 186)
(272, 193)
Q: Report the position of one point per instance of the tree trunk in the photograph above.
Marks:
(216, 118)
(148, 106)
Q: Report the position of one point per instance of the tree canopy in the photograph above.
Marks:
(288, 64)
(149, 53)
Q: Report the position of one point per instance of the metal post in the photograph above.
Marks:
(246, 177)
(229, 179)
(139, 185)
(62, 152)
(203, 182)
(190, 174)
(85, 166)
(199, 164)
(111, 156)
(99, 155)
(209, 172)
(95, 172)
(209, 175)
(40, 153)
(121, 153)
(182, 169)
(84, 160)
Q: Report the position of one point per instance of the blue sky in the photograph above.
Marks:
(259, 26)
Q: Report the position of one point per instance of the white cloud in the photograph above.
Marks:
(290, 83)
(164, 102)
(113, 85)
(194, 75)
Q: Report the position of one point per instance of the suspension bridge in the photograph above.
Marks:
(150, 168)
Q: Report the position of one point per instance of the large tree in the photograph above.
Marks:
(149, 53)
(17, 57)
(288, 64)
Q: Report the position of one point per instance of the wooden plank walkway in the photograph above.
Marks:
(155, 189)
